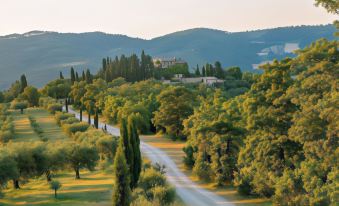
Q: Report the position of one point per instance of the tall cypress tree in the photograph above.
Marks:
(121, 188)
(23, 83)
(88, 77)
(61, 76)
(72, 76)
(203, 71)
(127, 146)
(77, 76)
(134, 140)
(83, 75)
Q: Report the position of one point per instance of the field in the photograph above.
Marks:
(94, 188)
(174, 150)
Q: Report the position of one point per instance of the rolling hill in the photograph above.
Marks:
(41, 55)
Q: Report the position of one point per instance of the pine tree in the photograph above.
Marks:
(23, 83)
(121, 189)
(61, 76)
(72, 76)
(135, 145)
(203, 71)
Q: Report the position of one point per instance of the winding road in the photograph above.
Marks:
(189, 192)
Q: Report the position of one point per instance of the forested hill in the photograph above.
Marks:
(40, 55)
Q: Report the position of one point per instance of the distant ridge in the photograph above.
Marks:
(42, 54)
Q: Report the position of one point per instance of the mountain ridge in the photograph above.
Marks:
(42, 54)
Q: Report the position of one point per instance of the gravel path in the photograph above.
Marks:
(187, 190)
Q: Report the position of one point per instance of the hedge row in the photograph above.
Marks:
(6, 125)
(37, 129)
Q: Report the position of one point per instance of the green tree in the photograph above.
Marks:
(19, 105)
(81, 156)
(121, 187)
(23, 83)
(73, 78)
(134, 140)
(268, 150)
(61, 76)
(32, 95)
(176, 104)
(126, 143)
(55, 185)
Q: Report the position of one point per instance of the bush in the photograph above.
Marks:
(155, 188)
(163, 195)
(45, 101)
(70, 120)
(60, 116)
(5, 136)
(76, 127)
(54, 107)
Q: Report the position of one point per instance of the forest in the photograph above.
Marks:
(272, 134)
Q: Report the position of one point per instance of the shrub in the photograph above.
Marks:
(54, 107)
(60, 116)
(5, 136)
(45, 101)
(163, 195)
(155, 188)
(76, 127)
(36, 127)
(70, 120)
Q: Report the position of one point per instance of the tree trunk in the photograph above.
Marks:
(22, 111)
(66, 104)
(48, 176)
(80, 114)
(55, 193)
(16, 184)
(77, 173)
(89, 118)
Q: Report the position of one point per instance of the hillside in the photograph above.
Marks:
(40, 55)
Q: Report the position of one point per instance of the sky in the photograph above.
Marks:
(152, 18)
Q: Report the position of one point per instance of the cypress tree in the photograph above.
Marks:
(23, 83)
(83, 75)
(126, 143)
(203, 71)
(88, 77)
(135, 145)
(72, 76)
(121, 189)
(77, 76)
(197, 71)
(61, 76)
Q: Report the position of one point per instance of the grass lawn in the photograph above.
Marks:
(94, 188)
(174, 150)
(24, 131)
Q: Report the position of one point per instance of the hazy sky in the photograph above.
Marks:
(152, 18)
